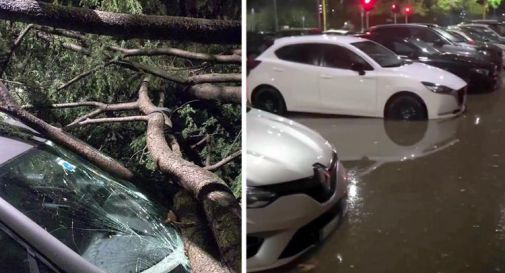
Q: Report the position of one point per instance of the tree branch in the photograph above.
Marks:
(71, 46)
(235, 59)
(82, 75)
(9, 106)
(230, 94)
(120, 25)
(223, 161)
(220, 206)
(113, 120)
(13, 48)
(203, 78)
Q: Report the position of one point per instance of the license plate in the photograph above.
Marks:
(329, 228)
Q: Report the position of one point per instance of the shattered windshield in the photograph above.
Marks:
(108, 223)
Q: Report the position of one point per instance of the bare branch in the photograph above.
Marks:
(223, 161)
(61, 32)
(204, 78)
(71, 46)
(82, 75)
(9, 106)
(120, 25)
(201, 141)
(230, 94)
(113, 120)
(13, 48)
(235, 59)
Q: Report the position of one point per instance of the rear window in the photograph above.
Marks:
(300, 53)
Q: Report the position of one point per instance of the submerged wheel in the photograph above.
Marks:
(269, 99)
(406, 107)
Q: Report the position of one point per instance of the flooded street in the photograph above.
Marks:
(424, 196)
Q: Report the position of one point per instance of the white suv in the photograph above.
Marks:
(350, 76)
(296, 190)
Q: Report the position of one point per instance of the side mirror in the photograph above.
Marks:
(360, 68)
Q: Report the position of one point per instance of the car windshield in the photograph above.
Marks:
(449, 36)
(106, 221)
(499, 28)
(383, 56)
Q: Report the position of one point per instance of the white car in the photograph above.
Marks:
(350, 76)
(296, 190)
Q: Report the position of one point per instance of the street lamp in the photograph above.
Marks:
(275, 16)
(253, 23)
(303, 21)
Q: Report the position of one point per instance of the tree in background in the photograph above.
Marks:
(159, 94)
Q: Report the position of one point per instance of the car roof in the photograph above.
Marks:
(404, 25)
(318, 39)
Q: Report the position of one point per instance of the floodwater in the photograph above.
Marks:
(424, 196)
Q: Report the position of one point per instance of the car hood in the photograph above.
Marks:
(281, 150)
(466, 59)
(427, 73)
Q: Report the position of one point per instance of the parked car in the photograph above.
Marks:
(296, 190)
(351, 76)
(496, 25)
(441, 40)
(480, 75)
(59, 213)
(484, 30)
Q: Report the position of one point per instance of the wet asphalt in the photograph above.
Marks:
(424, 196)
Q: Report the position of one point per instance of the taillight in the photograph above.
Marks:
(251, 64)
(471, 41)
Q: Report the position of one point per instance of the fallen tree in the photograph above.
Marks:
(124, 26)
(208, 212)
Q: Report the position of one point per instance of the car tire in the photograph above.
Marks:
(406, 107)
(269, 99)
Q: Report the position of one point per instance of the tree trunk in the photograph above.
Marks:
(120, 25)
(220, 206)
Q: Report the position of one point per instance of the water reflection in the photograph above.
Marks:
(365, 144)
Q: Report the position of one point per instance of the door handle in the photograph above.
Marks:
(324, 76)
(278, 69)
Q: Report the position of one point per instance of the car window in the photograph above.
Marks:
(108, 223)
(398, 32)
(425, 35)
(383, 56)
(300, 53)
(15, 258)
(335, 56)
(402, 48)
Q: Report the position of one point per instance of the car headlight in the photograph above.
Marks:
(258, 198)
(481, 71)
(437, 88)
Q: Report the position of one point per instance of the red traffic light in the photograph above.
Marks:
(408, 10)
(395, 8)
(367, 5)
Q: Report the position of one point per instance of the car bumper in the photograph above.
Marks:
(288, 227)
(449, 105)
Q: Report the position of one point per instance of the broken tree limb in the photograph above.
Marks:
(71, 46)
(196, 236)
(113, 120)
(230, 94)
(121, 25)
(202, 78)
(82, 75)
(13, 48)
(9, 106)
(233, 58)
(223, 161)
(220, 206)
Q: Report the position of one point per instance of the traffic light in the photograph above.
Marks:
(367, 5)
(395, 8)
(408, 10)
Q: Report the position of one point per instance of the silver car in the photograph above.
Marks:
(296, 190)
(58, 213)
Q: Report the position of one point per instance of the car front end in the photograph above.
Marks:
(296, 192)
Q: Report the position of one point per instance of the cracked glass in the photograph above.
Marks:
(106, 221)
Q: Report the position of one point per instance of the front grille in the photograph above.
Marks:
(253, 245)
(309, 234)
(311, 186)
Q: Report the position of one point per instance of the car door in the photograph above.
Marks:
(344, 91)
(296, 75)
